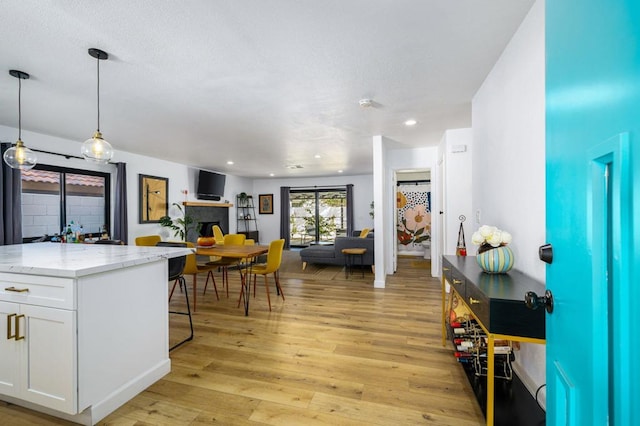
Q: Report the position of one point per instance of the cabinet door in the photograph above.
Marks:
(49, 355)
(9, 352)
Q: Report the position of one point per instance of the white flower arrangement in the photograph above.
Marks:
(490, 235)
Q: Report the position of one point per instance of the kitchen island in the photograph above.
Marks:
(87, 326)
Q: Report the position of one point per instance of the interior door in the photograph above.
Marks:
(592, 104)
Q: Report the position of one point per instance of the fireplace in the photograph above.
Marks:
(206, 228)
(204, 217)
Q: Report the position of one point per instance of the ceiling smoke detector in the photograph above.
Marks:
(365, 103)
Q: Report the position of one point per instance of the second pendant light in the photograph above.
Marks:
(96, 149)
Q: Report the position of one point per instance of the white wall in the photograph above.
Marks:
(384, 210)
(269, 224)
(508, 116)
(457, 187)
(180, 176)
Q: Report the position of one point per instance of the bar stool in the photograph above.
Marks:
(176, 267)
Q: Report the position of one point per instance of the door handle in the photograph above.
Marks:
(9, 335)
(545, 253)
(18, 336)
(533, 301)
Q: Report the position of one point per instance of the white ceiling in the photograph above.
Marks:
(265, 83)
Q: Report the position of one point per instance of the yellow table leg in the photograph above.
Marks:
(490, 378)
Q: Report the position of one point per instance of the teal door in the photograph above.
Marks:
(593, 212)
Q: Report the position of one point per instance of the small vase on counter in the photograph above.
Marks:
(495, 260)
(494, 257)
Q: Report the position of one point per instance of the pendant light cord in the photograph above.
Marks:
(19, 109)
(98, 91)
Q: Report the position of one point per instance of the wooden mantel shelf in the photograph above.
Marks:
(205, 204)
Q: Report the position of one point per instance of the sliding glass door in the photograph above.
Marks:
(317, 216)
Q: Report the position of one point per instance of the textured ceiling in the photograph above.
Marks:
(267, 84)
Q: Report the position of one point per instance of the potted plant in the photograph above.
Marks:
(243, 199)
(180, 226)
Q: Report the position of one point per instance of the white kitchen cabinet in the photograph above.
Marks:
(94, 321)
(38, 355)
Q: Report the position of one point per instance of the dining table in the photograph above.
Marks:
(245, 252)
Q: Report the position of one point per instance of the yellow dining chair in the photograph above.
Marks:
(218, 235)
(364, 233)
(274, 259)
(192, 268)
(225, 262)
(148, 240)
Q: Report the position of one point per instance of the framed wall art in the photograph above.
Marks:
(152, 198)
(265, 204)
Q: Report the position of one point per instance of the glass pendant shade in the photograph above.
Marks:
(97, 150)
(20, 157)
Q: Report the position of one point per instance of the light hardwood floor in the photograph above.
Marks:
(336, 352)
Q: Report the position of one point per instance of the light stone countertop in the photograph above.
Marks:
(77, 260)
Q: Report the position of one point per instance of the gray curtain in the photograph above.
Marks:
(350, 209)
(11, 196)
(120, 223)
(285, 225)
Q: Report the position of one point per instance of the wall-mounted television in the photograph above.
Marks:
(210, 186)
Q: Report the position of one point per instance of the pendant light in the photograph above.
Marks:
(19, 156)
(96, 149)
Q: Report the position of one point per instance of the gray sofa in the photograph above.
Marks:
(332, 255)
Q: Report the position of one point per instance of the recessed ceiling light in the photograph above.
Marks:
(410, 122)
(339, 171)
(271, 174)
(229, 162)
(317, 156)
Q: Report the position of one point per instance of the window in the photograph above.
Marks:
(317, 216)
(53, 197)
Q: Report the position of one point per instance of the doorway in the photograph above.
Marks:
(413, 213)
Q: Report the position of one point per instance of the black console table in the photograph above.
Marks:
(496, 301)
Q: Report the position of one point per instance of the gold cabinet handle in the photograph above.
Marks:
(18, 336)
(473, 301)
(445, 269)
(457, 281)
(9, 335)
(16, 290)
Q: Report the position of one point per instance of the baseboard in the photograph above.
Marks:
(531, 386)
(100, 410)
